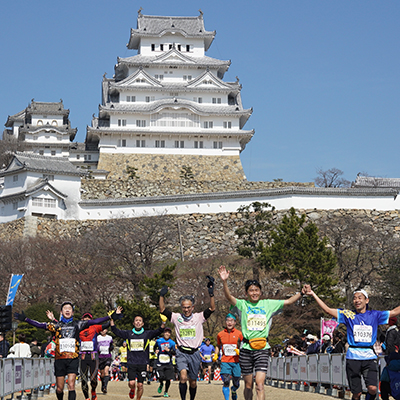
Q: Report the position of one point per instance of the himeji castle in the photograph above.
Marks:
(168, 109)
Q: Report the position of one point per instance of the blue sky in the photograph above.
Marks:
(321, 75)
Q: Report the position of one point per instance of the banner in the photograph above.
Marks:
(328, 326)
(12, 290)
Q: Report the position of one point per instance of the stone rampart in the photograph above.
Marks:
(203, 235)
(153, 167)
(126, 188)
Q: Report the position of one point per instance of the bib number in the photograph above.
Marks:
(87, 346)
(137, 344)
(187, 333)
(67, 345)
(362, 333)
(103, 349)
(164, 358)
(230, 350)
(207, 357)
(256, 322)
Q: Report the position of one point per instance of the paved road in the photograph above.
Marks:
(205, 391)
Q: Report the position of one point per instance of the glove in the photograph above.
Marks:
(114, 316)
(210, 285)
(163, 318)
(215, 357)
(20, 316)
(164, 291)
(237, 351)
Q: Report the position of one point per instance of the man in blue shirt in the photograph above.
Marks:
(207, 351)
(362, 329)
(165, 370)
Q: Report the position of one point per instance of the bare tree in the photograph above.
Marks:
(361, 252)
(8, 146)
(331, 178)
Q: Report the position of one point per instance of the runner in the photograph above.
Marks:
(105, 346)
(165, 370)
(89, 360)
(228, 341)
(67, 344)
(207, 351)
(362, 329)
(123, 352)
(189, 335)
(138, 351)
(151, 368)
(255, 318)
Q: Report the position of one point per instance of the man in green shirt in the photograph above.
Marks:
(255, 319)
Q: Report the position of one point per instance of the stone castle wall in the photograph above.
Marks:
(126, 188)
(154, 167)
(203, 235)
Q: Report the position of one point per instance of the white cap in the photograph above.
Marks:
(326, 336)
(361, 291)
(310, 337)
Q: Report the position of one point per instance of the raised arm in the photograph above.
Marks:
(224, 275)
(161, 301)
(395, 312)
(210, 287)
(331, 311)
(295, 297)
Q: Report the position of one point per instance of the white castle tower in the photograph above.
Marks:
(167, 109)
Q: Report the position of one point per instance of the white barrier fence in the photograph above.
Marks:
(17, 374)
(320, 369)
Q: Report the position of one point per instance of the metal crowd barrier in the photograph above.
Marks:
(18, 374)
(322, 373)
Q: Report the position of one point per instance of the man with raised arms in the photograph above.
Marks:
(66, 332)
(189, 336)
(138, 341)
(255, 317)
(362, 329)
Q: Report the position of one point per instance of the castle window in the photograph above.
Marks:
(159, 77)
(160, 143)
(217, 145)
(53, 152)
(227, 124)
(200, 99)
(161, 47)
(216, 100)
(179, 120)
(50, 203)
(179, 47)
(122, 143)
(198, 145)
(78, 156)
(153, 47)
(141, 123)
(179, 144)
(54, 122)
(122, 122)
(131, 99)
(41, 152)
(208, 124)
(170, 46)
(147, 99)
(15, 178)
(188, 47)
(140, 143)
(40, 122)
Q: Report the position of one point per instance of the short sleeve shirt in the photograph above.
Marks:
(228, 342)
(189, 333)
(362, 330)
(256, 318)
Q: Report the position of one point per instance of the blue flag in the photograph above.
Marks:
(12, 290)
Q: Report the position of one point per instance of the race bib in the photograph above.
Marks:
(67, 345)
(164, 358)
(256, 322)
(87, 346)
(103, 350)
(362, 333)
(187, 332)
(207, 357)
(230, 349)
(137, 344)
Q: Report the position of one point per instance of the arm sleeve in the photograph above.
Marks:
(120, 333)
(168, 314)
(155, 333)
(36, 324)
(104, 326)
(98, 321)
(207, 313)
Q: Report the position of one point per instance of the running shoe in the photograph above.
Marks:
(159, 390)
(166, 394)
(132, 394)
(104, 390)
(234, 395)
(94, 395)
(148, 382)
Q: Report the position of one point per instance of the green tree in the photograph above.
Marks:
(255, 232)
(298, 253)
